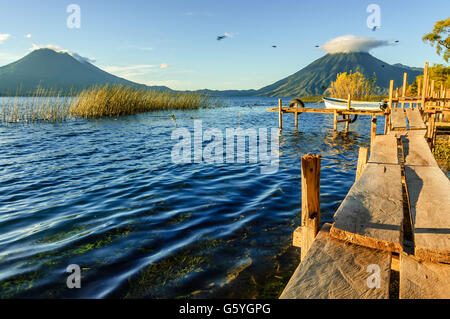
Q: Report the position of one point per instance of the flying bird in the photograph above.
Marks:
(220, 37)
(274, 46)
(396, 41)
(374, 28)
(317, 46)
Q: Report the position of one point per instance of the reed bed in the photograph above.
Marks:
(44, 105)
(354, 84)
(113, 101)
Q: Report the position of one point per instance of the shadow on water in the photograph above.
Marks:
(104, 194)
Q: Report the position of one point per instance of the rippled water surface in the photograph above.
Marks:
(104, 194)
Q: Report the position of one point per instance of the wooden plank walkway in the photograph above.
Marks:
(423, 280)
(429, 200)
(384, 150)
(415, 121)
(417, 152)
(398, 120)
(371, 214)
(335, 269)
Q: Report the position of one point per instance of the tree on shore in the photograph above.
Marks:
(440, 36)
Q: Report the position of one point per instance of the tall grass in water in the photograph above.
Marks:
(354, 84)
(44, 105)
(113, 101)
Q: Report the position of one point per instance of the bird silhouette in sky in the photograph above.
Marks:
(317, 46)
(221, 37)
(396, 41)
(374, 28)
(274, 46)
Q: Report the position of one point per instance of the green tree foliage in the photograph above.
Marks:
(440, 37)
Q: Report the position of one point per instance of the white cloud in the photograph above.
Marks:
(231, 34)
(351, 43)
(58, 49)
(4, 37)
(128, 71)
(164, 66)
(28, 36)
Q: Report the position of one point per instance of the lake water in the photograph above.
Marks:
(105, 195)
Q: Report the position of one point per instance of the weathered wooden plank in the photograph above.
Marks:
(416, 151)
(372, 213)
(398, 119)
(414, 119)
(384, 150)
(429, 198)
(423, 280)
(333, 269)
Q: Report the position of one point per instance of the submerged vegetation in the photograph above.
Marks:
(108, 101)
(354, 84)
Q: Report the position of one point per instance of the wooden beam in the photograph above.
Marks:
(423, 280)
(310, 200)
(405, 84)
(334, 269)
(296, 120)
(398, 120)
(372, 213)
(415, 119)
(428, 193)
(384, 150)
(363, 157)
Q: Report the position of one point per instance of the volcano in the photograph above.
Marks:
(49, 69)
(315, 78)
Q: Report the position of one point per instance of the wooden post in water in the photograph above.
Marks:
(335, 121)
(296, 120)
(373, 130)
(432, 89)
(347, 123)
(280, 115)
(310, 201)
(419, 86)
(424, 86)
(388, 117)
(363, 157)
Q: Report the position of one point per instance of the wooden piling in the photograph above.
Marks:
(405, 85)
(280, 115)
(373, 130)
(296, 120)
(335, 121)
(310, 201)
(424, 85)
(387, 117)
(363, 157)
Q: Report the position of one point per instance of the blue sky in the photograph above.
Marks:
(174, 43)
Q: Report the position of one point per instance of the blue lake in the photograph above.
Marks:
(106, 195)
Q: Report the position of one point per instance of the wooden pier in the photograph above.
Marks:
(394, 220)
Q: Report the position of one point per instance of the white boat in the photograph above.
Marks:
(333, 103)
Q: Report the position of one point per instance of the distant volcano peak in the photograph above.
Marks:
(316, 77)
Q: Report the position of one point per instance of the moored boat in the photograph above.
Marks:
(334, 103)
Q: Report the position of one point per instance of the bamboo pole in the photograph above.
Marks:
(373, 130)
(363, 157)
(424, 87)
(280, 115)
(388, 117)
(310, 201)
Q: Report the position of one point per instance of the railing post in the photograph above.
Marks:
(388, 117)
(363, 157)
(424, 85)
(310, 201)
